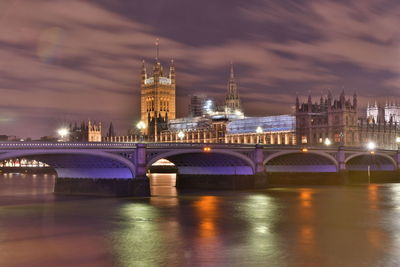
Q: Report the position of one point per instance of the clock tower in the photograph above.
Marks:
(157, 101)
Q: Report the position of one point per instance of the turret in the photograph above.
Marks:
(143, 73)
(355, 100)
(309, 103)
(172, 72)
(342, 99)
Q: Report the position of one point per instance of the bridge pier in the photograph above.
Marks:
(343, 174)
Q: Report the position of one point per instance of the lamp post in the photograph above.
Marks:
(371, 147)
(398, 142)
(63, 133)
(141, 126)
(259, 131)
(181, 135)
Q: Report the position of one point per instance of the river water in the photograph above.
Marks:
(310, 226)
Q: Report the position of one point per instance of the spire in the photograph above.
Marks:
(355, 100)
(143, 73)
(232, 74)
(232, 100)
(111, 131)
(157, 49)
(297, 102)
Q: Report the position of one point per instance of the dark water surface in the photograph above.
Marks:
(313, 226)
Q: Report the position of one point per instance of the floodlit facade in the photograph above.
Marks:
(388, 113)
(157, 102)
(273, 130)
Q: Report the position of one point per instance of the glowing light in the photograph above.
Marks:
(371, 145)
(304, 150)
(327, 142)
(181, 135)
(398, 140)
(141, 125)
(259, 130)
(207, 149)
(63, 132)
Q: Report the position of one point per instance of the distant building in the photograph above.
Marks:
(201, 105)
(85, 133)
(338, 122)
(232, 100)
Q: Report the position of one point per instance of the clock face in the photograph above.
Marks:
(164, 80)
(149, 81)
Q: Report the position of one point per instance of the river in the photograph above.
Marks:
(293, 226)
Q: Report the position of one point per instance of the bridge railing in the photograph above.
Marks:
(131, 145)
(64, 145)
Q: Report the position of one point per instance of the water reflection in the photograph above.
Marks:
(163, 184)
(316, 226)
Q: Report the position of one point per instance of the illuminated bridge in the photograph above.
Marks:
(120, 168)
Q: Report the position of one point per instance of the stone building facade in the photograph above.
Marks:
(338, 121)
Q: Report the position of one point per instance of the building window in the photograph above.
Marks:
(304, 139)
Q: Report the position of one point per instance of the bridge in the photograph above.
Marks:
(120, 168)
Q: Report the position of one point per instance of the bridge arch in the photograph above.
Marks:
(377, 161)
(79, 163)
(217, 161)
(297, 161)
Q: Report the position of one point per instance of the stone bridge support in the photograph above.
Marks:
(343, 174)
(260, 176)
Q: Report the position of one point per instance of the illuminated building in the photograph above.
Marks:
(338, 121)
(279, 130)
(389, 113)
(274, 130)
(157, 102)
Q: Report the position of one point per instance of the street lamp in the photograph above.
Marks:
(398, 142)
(371, 146)
(259, 131)
(141, 126)
(327, 142)
(181, 135)
(63, 132)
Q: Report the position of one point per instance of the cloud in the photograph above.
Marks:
(82, 58)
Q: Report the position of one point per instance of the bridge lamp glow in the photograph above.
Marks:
(371, 145)
(181, 135)
(207, 149)
(304, 150)
(327, 142)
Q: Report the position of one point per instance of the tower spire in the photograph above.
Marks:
(157, 48)
(232, 101)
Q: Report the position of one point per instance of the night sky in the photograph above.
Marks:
(67, 60)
